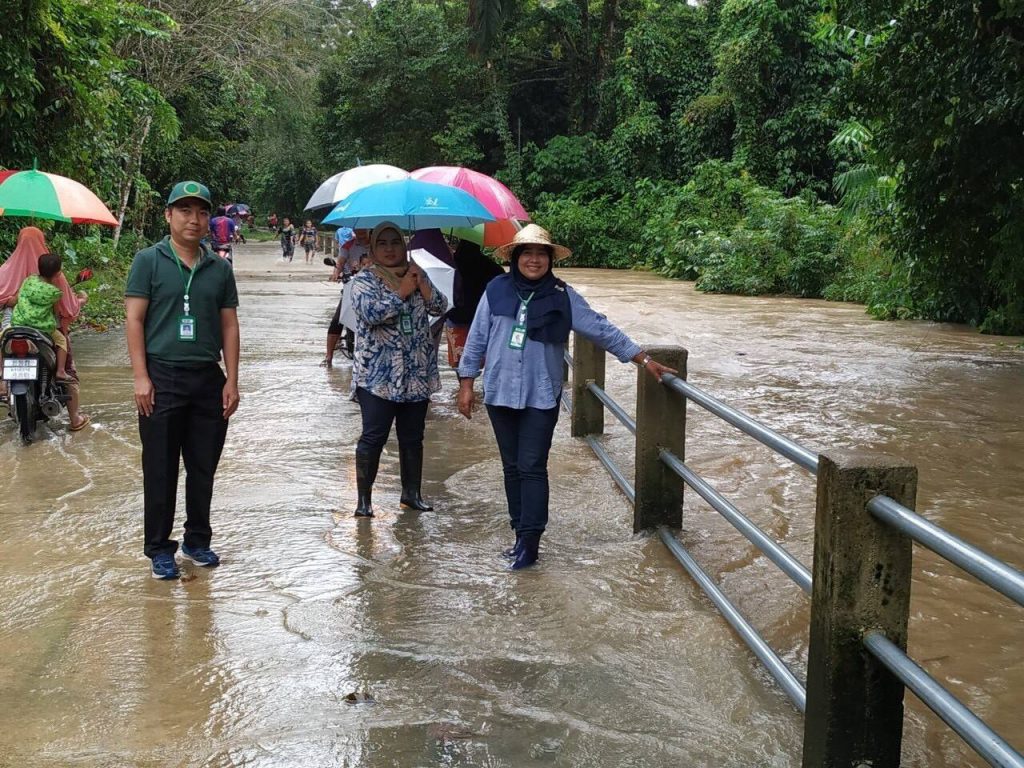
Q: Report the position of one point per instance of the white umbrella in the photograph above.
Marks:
(343, 184)
(442, 277)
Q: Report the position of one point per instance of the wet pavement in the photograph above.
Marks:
(403, 641)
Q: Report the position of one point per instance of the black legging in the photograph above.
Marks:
(379, 414)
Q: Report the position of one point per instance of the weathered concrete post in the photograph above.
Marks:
(660, 423)
(587, 366)
(861, 582)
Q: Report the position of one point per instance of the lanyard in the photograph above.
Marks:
(191, 274)
(523, 304)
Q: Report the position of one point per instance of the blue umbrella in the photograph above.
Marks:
(410, 204)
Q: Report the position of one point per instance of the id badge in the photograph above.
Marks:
(186, 328)
(518, 338)
(405, 322)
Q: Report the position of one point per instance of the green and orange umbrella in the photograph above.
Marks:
(39, 195)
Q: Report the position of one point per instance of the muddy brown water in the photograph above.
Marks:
(323, 641)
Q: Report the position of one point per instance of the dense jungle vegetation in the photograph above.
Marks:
(850, 149)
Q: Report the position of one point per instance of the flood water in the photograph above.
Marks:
(326, 641)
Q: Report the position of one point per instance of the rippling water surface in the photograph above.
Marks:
(326, 641)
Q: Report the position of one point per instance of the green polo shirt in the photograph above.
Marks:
(155, 275)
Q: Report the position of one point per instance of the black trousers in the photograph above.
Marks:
(378, 416)
(187, 424)
(524, 441)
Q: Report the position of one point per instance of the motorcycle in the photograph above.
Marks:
(347, 343)
(224, 251)
(29, 364)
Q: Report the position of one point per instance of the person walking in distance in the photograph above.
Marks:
(181, 305)
(286, 233)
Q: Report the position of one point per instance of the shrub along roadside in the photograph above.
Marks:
(731, 235)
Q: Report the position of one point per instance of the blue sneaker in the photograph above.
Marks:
(203, 556)
(164, 567)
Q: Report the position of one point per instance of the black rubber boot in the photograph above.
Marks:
(410, 463)
(513, 551)
(366, 473)
(529, 543)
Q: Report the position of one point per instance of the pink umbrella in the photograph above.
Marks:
(491, 193)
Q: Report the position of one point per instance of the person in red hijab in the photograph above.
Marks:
(24, 261)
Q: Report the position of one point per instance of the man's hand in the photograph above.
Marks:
(145, 396)
(465, 398)
(230, 398)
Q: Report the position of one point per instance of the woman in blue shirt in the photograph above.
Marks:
(394, 366)
(521, 327)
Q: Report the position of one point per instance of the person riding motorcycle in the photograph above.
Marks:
(222, 233)
(24, 261)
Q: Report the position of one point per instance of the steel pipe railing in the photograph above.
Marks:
(953, 712)
(782, 445)
(613, 470)
(613, 406)
(995, 573)
(778, 669)
(770, 548)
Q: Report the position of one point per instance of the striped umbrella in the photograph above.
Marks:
(38, 195)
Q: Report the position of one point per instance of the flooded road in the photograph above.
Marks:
(327, 641)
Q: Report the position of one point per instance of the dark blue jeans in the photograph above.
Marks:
(524, 441)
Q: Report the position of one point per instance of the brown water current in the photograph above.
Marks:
(326, 641)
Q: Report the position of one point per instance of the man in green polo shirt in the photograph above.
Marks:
(181, 304)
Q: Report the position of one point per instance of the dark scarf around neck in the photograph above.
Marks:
(549, 313)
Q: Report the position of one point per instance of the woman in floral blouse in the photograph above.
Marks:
(395, 363)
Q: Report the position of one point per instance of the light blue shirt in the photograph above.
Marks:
(531, 377)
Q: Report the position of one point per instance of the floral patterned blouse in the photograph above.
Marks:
(390, 364)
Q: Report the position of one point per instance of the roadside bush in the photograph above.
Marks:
(732, 235)
(599, 232)
(574, 166)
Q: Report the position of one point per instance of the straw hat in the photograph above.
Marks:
(531, 234)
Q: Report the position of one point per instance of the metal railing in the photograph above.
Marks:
(872, 608)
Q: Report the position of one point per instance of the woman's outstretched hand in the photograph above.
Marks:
(652, 366)
(656, 369)
(465, 398)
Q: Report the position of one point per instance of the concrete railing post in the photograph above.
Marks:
(587, 366)
(861, 582)
(660, 423)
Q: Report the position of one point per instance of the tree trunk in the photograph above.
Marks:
(134, 164)
(584, 75)
(513, 162)
(609, 19)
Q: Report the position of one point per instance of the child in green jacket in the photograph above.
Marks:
(37, 298)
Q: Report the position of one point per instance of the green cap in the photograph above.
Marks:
(185, 189)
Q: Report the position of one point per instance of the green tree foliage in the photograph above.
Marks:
(59, 68)
(779, 74)
(708, 141)
(945, 90)
(405, 90)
